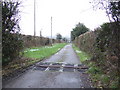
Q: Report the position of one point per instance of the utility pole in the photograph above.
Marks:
(34, 17)
(51, 31)
(41, 33)
(41, 43)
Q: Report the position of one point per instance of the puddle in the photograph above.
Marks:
(68, 69)
(69, 65)
(54, 69)
(40, 68)
(81, 70)
(80, 65)
(46, 63)
(57, 64)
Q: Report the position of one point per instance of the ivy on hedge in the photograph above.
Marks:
(11, 42)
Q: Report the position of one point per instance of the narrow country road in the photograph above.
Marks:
(34, 78)
(66, 55)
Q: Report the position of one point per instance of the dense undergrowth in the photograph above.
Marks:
(98, 76)
(104, 48)
(11, 42)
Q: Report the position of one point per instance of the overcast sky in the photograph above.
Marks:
(66, 14)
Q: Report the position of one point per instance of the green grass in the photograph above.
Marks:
(31, 56)
(99, 78)
(82, 55)
(43, 52)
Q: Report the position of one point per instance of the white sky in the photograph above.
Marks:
(66, 14)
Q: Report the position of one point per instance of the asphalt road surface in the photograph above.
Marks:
(53, 79)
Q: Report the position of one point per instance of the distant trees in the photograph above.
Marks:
(58, 36)
(78, 30)
(65, 39)
(11, 42)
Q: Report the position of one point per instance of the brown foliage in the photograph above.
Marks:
(31, 41)
(103, 47)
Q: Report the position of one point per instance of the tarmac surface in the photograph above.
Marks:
(50, 78)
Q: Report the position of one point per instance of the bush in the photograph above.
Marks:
(103, 45)
(11, 41)
(12, 45)
(86, 42)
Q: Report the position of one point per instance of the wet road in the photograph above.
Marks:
(48, 79)
(66, 55)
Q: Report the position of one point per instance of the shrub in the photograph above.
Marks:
(11, 41)
(103, 45)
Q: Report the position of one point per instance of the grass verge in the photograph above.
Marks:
(100, 78)
(43, 52)
(82, 55)
(31, 56)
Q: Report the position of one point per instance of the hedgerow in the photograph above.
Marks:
(11, 42)
(103, 45)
